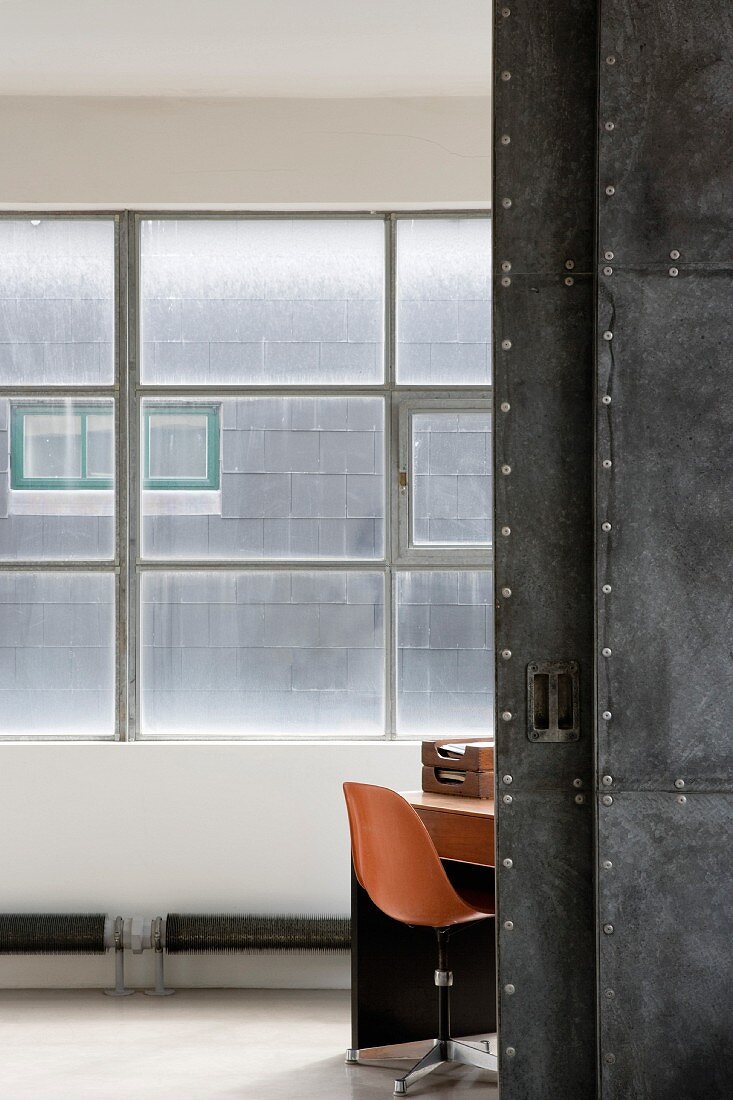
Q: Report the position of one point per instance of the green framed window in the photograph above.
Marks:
(62, 445)
(181, 446)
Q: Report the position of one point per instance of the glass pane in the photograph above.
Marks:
(100, 445)
(445, 647)
(451, 479)
(301, 477)
(57, 307)
(177, 445)
(52, 445)
(259, 301)
(53, 519)
(263, 654)
(444, 301)
(57, 654)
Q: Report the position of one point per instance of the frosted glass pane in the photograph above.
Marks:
(57, 654)
(301, 477)
(445, 648)
(262, 301)
(51, 521)
(263, 654)
(451, 479)
(52, 445)
(177, 445)
(444, 301)
(57, 308)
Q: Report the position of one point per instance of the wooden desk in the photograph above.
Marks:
(393, 997)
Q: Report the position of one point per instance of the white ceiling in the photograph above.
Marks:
(303, 48)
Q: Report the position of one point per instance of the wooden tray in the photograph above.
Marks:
(463, 784)
(477, 758)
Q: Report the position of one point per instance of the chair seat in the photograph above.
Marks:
(482, 901)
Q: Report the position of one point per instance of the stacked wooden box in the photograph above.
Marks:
(459, 767)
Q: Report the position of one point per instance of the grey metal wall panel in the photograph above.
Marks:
(666, 71)
(547, 975)
(545, 82)
(666, 980)
(545, 93)
(668, 556)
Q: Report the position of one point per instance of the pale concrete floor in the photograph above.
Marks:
(198, 1045)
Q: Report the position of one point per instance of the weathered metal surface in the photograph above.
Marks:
(547, 975)
(666, 983)
(666, 72)
(668, 556)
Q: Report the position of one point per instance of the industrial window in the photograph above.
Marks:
(289, 417)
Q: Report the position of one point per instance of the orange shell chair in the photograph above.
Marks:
(396, 863)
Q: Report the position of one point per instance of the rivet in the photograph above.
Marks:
(506, 281)
(506, 266)
(607, 865)
(506, 203)
(509, 925)
(607, 780)
(506, 531)
(607, 800)
(681, 798)
(610, 190)
(507, 863)
(506, 593)
(505, 139)
(608, 335)
(679, 784)
(610, 60)
(610, 126)
(674, 254)
(506, 75)
(609, 1058)
(506, 715)
(606, 400)
(608, 254)
(607, 464)
(506, 469)
(506, 12)
(509, 988)
(506, 654)
(608, 929)
(505, 406)
(606, 588)
(606, 716)
(606, 651)
(673, 272)
(570, 264)
(580, 799)
(510, 1052)
(506, 344)
(606, 526)
(577, 782)
(608, 271)
(609, 993)
(506, 779)
(569, 281)
(508, 799)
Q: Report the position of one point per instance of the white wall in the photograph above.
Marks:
(155, 827)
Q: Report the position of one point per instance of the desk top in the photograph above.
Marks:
(452, 804)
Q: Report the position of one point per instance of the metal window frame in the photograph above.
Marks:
(212, 479)
(19, 413)
(128, 393)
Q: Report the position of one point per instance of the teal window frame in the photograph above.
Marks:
(213, 446)
(18, 415)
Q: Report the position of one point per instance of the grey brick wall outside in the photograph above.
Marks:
(444, 301)
(56, 654)
(452, 464)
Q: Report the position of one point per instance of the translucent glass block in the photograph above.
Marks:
(260, 301)
(177, 446)
(57, 654)
(56, 480)
(444, 301)
(445, 648)
(451, 503)
(263, 654)
(57, 301)
(297, 478)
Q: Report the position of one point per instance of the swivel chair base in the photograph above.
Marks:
(446, 1050)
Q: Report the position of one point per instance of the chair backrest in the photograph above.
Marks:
(396, 862)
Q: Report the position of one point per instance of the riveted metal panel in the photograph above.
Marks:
(546, 945)
(668, 501)
(666, 130)
(545, 93)
(666, 983)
